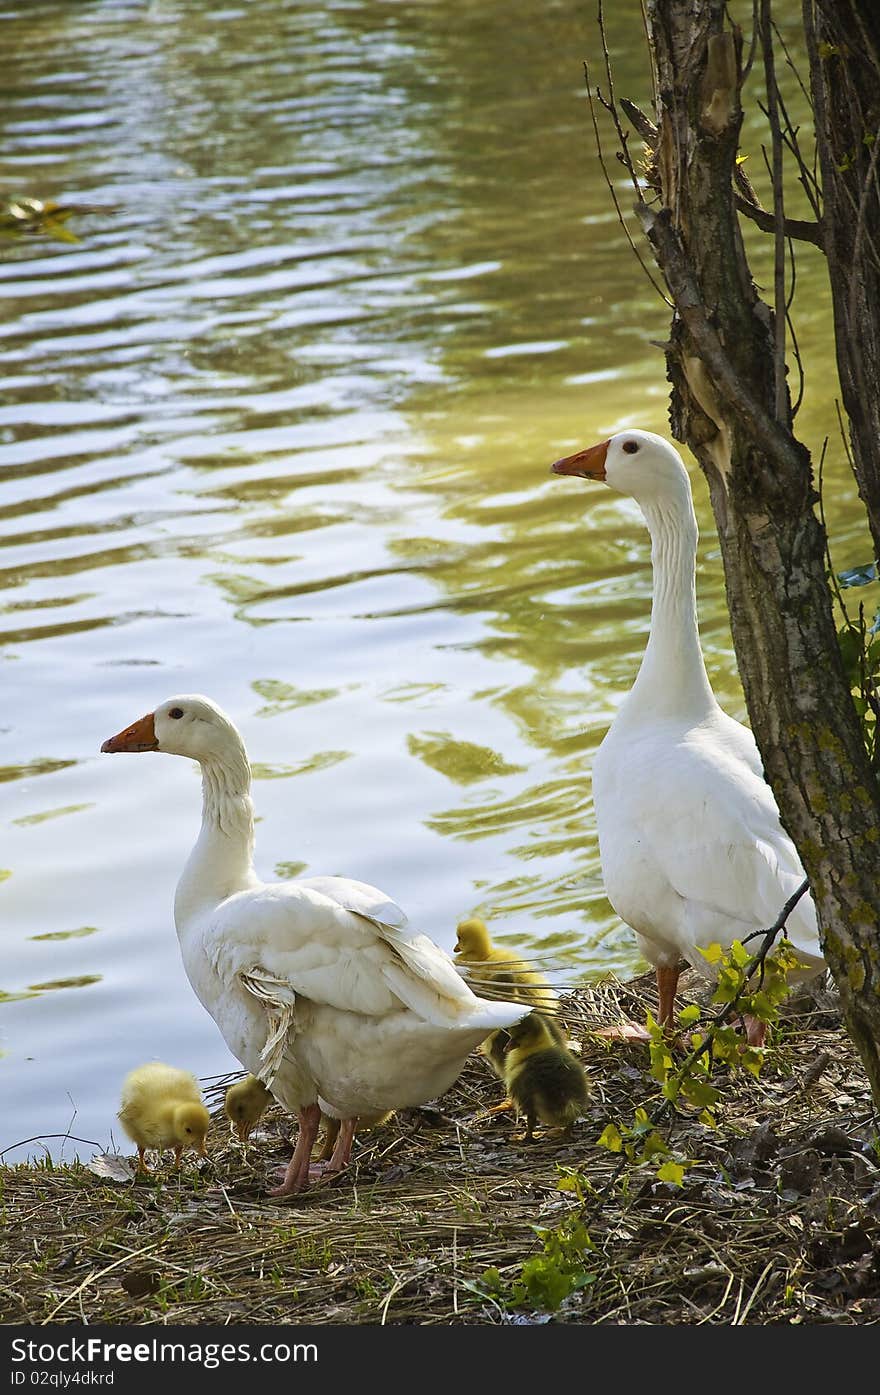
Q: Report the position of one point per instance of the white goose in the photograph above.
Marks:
(317, 985)
(690, 840)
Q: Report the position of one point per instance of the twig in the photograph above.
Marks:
(756, 962)
(747, 66)
(38, 1138)
(832, 575)
(747, 202)
(779, 316)
(789, 60)
(613, 192)
(811, 1075)
(741, 1317)
(795, 346)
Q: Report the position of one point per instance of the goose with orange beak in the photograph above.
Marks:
(692, 848)
(319, 986)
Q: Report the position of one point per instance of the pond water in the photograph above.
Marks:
(278, 429)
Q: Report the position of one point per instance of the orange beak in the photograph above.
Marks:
(589, 463)
(140, 736)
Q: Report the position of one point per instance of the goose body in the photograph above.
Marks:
(692, 847)
(319, 987)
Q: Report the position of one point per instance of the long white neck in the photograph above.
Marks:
(672, 680)
(221, 862)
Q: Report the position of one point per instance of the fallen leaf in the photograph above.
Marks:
(112, 1166)
(140, 1282)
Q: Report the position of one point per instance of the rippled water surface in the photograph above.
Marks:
(278, 429)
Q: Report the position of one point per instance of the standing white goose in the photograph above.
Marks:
(690, 840)
(317, 985)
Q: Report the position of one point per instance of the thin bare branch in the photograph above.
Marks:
(613, 192)
(806, 175)
(779, 316)
(832, 575)
(763, 218)
(611, 104)
(795, 346)
(640, 121)
(747, 66)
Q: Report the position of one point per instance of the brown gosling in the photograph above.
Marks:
(544, 1079)
(162, 1108)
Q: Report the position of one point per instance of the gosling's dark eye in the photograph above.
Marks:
(629, 446)
(176, 712)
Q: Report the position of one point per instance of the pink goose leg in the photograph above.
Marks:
(297, 1175)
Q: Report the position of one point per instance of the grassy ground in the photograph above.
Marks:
(778, 1221)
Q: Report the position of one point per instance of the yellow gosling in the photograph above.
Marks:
(162, 1108)
(245, 1104)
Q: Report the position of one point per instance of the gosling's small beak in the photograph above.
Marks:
(140, 736)
(243, 1131)
(589, 463)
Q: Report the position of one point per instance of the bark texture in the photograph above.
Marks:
(726, 407)
(843, 42)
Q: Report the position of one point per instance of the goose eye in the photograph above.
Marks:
(629, 446)
(175, 712)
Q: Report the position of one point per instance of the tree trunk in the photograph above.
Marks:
(727, 405)
(843, 42)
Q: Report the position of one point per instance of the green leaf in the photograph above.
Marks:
(671, 1172)
(689, 1014)
(697, 1092)
(544, 1284)
(762, 1006)
(739, 955)
(611, 1139)
(653, 1145)
(751, 1059)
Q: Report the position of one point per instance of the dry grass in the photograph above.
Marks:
(779, 1221)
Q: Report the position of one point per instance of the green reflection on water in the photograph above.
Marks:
(79, 933)
(46, 814)
(323, 760)
(284, 697)
(75, 981)
(463, 762)
(45, 766)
